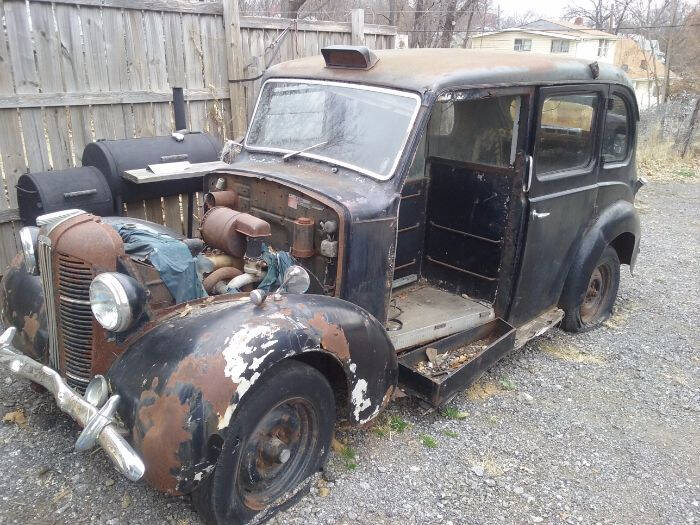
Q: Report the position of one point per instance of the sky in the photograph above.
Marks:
(547, 8)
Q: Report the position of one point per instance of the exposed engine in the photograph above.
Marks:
(253, 229)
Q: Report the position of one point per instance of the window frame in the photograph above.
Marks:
(603, 45)
(377, 176)
(522, 46)
(631, 131)
(520, 139)
(596, 136)
(560, 41)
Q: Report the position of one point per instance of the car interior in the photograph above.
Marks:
(453, 219)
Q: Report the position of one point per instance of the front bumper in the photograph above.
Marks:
(98, 425)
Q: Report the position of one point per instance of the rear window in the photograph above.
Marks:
(617, 129)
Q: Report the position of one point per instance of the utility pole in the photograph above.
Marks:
(669, 48)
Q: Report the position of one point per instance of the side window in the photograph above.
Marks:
(565, 137)
(480, 131)
(617, 131)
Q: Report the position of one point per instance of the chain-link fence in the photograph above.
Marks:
(672, 124)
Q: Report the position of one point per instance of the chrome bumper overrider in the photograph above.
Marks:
(97, 422)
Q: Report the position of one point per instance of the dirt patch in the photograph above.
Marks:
(483, 389)
(569, 352)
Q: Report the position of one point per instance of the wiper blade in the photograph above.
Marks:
(295, 153)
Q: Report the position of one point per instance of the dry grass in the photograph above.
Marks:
(569, 353)
(660, 162)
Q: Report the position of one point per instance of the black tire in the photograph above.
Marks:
(589, 296)
(251, 474)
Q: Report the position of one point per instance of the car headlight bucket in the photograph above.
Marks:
(28, 238)
(116, 300)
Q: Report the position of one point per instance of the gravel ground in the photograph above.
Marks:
(596, 428)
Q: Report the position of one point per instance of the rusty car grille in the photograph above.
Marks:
(46, 272)
(75, 319)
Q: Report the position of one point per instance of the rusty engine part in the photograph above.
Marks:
(303, 238)
(228, 199)
(221, 260)
(220, 275)
(227, 229)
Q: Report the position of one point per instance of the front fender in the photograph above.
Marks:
(182, 380)
(22, 305)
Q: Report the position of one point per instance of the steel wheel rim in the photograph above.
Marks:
(596, 293)
(277, 453)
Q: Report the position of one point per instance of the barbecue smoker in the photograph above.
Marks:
(402, 219)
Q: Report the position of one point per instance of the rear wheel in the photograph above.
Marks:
(590, 302)
(279, 436)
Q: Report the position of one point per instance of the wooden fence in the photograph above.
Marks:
(73, 71)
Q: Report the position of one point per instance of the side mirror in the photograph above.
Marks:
(296, 280)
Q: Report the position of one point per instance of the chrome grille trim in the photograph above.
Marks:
(75, 318)
(46, 272)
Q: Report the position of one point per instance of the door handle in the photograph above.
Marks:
(530, 168)
(536, 215)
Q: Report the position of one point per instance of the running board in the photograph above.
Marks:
(537, 326)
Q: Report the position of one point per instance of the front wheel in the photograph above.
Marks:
(593, 295)
(279, 436)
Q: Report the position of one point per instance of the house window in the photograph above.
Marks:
(603, 47)
(560, 46)
(522, 44)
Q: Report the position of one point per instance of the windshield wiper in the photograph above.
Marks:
(295, 153)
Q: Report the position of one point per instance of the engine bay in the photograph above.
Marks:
(251, 227)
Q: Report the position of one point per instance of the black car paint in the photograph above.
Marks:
(204, 354)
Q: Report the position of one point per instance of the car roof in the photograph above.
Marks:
(435, 70)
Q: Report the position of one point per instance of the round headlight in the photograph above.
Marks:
(116, 300)
(28, 237)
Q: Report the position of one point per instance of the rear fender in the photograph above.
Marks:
(182, 381)
(617, 219)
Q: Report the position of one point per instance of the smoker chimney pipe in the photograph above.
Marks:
(179, 109)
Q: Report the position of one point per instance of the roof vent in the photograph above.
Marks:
(595, 69)
(351, 57)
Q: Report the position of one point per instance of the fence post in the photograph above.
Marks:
(234, 59)
(357, 20)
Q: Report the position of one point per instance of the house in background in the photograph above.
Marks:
(646, 70)
(552, 37)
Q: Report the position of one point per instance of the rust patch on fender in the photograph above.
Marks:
(164, 421)
(31, 326)
(206, 373)
(332, 337)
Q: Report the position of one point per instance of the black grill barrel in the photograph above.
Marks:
(114, 157)
(179, 109)
(47, 191)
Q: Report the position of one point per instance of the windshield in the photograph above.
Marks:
(359, 127)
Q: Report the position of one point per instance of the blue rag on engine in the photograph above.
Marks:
(170, 256)
(277, 265)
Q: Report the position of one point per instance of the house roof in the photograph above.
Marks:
(556, 29)
(637, 63)
(434, 70)
(551, 24)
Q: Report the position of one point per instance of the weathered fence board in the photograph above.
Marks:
(73, 71)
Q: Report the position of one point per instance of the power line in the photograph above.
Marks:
(525, 29)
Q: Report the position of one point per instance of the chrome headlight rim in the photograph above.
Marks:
(124, 294)
(28, 237)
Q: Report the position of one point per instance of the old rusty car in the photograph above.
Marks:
(398, 219)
